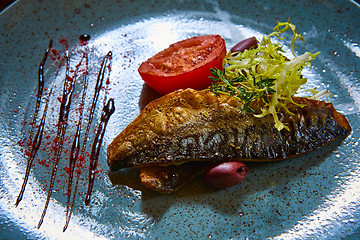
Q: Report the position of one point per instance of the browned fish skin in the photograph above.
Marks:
(190, 125)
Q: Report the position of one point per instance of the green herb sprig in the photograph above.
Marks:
(243, 90)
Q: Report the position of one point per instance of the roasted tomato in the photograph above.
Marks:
(185, 64)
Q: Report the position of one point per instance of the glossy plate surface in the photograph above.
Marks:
(313, 196)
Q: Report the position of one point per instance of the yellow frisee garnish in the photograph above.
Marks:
(264, 71)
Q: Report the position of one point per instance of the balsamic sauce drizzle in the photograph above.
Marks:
(108, 110)
(77, 148)
(68, 90)
(35, 145)
(36, 141)
(98, 87)
(40, 86)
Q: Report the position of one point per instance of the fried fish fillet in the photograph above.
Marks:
(189, 125)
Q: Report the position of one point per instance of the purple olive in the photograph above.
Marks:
(245, 44)
(225, 174)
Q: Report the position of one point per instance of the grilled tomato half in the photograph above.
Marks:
(185, 64)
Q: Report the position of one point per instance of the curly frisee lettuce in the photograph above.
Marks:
(264, 73)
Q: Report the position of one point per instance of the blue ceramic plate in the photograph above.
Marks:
(309, 197)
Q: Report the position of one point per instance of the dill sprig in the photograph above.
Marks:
(242, 89)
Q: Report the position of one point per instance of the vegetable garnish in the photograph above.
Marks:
(184, 64)
(264, 73)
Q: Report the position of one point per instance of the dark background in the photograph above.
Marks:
(5, 3)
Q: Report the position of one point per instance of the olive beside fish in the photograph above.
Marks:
(225, 174)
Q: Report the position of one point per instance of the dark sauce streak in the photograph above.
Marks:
(98, 87)
(75, 149)
(108, 110)
(36, 141)
(35, 145)
(40, 86)
(68, 89)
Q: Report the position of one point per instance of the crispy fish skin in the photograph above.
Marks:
(190, 125)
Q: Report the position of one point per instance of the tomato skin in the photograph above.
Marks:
(183, 74)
